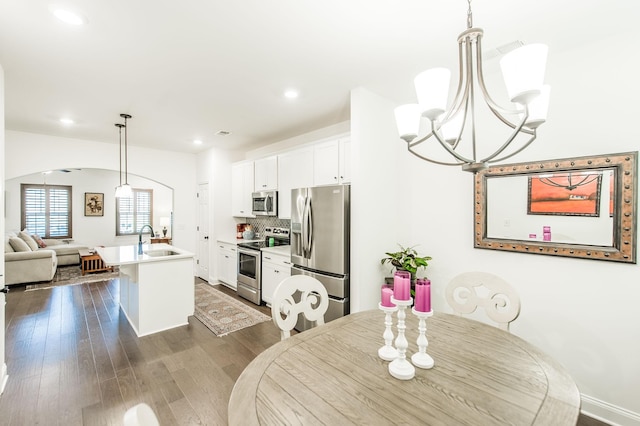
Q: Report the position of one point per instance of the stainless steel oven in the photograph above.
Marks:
(249, 267)
(250, 262)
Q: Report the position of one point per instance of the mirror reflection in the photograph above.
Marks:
(582, 207)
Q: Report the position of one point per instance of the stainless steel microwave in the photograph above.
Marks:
(264, 203)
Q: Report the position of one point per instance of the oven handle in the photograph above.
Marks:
(249, 252)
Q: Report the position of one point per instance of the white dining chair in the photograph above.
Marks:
(140, 415)
(470, 290)
(313, 302)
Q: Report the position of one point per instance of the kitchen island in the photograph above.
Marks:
(156, 285)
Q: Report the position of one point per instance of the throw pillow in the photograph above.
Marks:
(27, 239)
(39, 240)
(18, 244)
(7, 246)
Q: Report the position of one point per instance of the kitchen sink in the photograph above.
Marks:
(160, 253)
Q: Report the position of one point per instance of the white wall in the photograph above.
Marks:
(27, 153)
(214, 168)
(581, 312)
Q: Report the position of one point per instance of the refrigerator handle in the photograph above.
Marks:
(304, 228)
(310, 226)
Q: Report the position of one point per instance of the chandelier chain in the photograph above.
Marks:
(469, 16)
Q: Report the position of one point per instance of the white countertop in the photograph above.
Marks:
(281, 250)
(123, 255)
(233, 240)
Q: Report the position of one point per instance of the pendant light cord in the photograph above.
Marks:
(120, 126)
(126, 152)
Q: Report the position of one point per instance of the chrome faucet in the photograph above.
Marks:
(140, 237)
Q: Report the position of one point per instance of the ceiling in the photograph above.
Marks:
(186, 70)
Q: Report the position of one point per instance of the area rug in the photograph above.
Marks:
(223, 314)
(72, 275)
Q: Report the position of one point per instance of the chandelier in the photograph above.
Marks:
(569, 181)
(523, 73)
(124, 190)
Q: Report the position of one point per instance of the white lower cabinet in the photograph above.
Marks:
(275, 268)
(227, 264)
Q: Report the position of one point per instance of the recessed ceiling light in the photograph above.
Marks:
(291, 94)
(67, 16)
(222, 133)
(66, 121)
(197, 142)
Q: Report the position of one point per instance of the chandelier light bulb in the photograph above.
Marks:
(408, 121)
(523, 72)
(538, 108)
(432, 90)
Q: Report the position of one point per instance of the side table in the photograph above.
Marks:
(156, 240)
(92, 262)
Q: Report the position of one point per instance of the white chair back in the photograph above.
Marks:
(140, 415)
(471, 290)
(313, 303)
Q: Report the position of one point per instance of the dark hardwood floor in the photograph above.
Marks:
(73, 359)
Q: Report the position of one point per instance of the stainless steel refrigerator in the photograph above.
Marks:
(320, 243)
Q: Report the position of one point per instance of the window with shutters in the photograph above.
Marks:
(46, 210)
(135, 212)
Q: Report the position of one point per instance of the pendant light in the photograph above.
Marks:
(124, 190)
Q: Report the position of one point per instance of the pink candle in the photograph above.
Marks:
(406, 288)
(423, 295)
(427, 297)
(402, 285)
(385, 297)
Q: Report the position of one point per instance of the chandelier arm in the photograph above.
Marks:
(496, 109)
(462, 96)
(504, 146)
(533, 138)
(422, 157)
(446, 146)
(549, 182)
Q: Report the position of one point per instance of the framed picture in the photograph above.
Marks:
(565, 194)
(93, 204)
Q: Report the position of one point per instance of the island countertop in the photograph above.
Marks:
(124, 255)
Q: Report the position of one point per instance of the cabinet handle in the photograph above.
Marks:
(221, 247)
(276, 271)
(267, 257)
(287, 263)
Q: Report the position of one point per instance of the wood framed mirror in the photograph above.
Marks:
(576, 207)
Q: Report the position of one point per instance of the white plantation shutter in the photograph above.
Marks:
(46, 210)
(135, 212)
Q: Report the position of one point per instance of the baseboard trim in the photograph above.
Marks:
(609, 413)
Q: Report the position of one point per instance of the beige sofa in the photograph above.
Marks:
(30, 259)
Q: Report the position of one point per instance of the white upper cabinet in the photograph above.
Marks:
(266, 174)
(331, 162)
(295, 170)
(241, 188)
(345, 160)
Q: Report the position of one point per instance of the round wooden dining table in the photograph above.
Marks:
(332, 375)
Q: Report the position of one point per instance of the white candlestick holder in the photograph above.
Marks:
(421, 359)
(387, 352)
(400, 368)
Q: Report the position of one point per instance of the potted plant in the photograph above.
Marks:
(406, 259)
